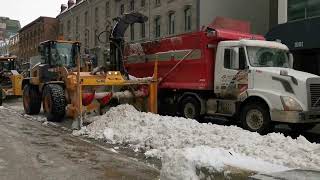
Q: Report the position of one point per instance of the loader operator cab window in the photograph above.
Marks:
(6, 66)
(235, 58)
(62, 54)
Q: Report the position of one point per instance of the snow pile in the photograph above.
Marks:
(163, 136)
(183, 164)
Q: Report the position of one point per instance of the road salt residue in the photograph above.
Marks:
(180, 141)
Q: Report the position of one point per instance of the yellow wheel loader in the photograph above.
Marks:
(10, 78)
(63, 87)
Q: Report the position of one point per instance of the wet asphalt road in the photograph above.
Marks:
(29, 150)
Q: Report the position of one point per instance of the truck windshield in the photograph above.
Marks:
(268, 57)
(62, 54)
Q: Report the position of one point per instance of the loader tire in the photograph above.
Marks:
(54, 102)
(31, 99)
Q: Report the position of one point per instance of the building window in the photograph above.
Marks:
(143, 30)
(157, 27)
(132, 5)
(86, 18)
(187, 19)
(60, 29)
(77, 24)
(69, 26)
(157, 2)
(298, 9)
(171, 23)
(313, 8)
(86, 38)
(96, 40)
(107, 34)
(121, 9)
(107, 9)
(143, 3)
(96, 15)
(132, 32)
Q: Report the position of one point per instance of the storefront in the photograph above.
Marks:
(302, 38)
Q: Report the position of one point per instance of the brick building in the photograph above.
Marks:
(41, 29)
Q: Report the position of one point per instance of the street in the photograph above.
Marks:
(29, 150)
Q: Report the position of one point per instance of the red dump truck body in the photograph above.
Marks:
(185, 61)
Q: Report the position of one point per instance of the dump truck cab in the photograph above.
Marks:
(261, 73)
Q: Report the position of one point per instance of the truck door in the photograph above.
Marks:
(231, 76)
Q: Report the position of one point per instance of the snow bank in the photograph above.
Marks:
(165, 137)
(183, 164)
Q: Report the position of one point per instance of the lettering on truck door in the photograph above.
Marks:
(233, 76)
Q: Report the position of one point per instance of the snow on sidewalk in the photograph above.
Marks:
(169, 138)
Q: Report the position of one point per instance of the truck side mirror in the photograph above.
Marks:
(290, 60)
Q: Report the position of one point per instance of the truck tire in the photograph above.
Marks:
(190, 108)
(54, 102)
(300, 128)
(255, 117)
(31, 99)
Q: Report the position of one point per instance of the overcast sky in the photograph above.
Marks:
(28, 10)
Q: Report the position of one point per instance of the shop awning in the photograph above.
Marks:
(297, 35)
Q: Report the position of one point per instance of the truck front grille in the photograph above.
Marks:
(315, 95)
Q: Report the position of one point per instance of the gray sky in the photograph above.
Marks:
(28, 10)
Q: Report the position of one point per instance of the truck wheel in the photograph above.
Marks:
(301, 127)
(255, 117)
(54, 102)
(31, 99)
(190, 108)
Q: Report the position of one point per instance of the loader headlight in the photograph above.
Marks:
(289, 104)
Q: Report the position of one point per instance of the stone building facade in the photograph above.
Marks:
(84, 20)
(8, 28)
(41, 29)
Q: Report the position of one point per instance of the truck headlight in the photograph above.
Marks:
(289, 104)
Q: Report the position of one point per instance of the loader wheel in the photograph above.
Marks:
(190, 108)
(255, 117)
(54, 102)
(300, 128)
(31, 100)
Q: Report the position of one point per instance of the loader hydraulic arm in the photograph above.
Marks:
(117, 39)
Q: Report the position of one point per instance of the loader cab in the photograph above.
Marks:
(7, 64)
(59, 53)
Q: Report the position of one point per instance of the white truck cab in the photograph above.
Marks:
(254, 80)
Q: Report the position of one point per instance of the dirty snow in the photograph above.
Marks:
(182, 164)
(178, 141)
